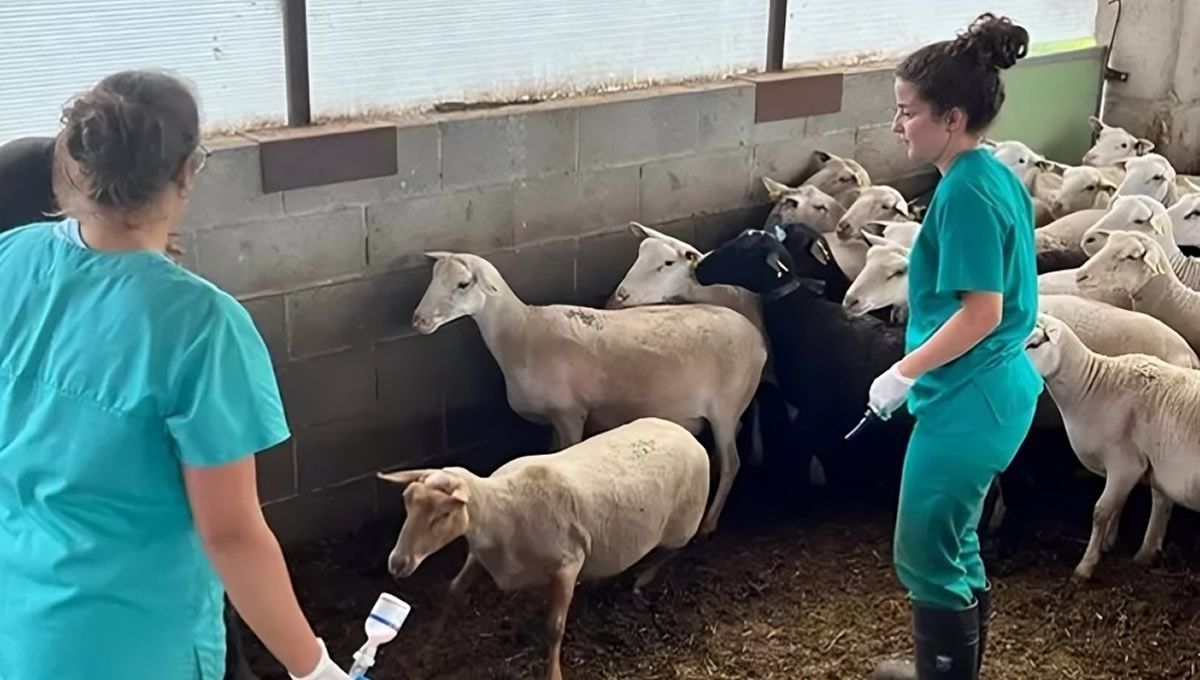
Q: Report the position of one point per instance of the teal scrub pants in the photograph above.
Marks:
(956, 448)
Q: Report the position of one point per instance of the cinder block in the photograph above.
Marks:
(792, 162)
(789, 129)
(882, 154)
(474, 221)
(355, 313)
(575, 204)
(328, 388)
(695, 185)
(726, 116)
(187, 243)
(868, 98)
(491, 150)
(638, 130)
(268, 315)
(411, 372)
(228, 189)
(283, 254)
(541, 273)
(276, 472)
(346, 449)
(495, 424)
(467, 372)
(713, 230)
(322, 514)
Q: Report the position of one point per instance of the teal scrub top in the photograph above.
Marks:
(116, 369)
(976, 236)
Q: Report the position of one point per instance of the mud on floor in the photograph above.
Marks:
(769, 596)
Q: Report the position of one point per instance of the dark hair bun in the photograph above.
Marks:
(129, 136)
(996, 41)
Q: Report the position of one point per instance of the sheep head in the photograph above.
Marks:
(1131, 213)
(460, 286)
(1127, 262)
(663, 271)
(435, 503)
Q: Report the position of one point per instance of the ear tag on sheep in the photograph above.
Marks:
(778, 232)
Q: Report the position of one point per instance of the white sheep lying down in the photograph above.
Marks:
(583, 369)
(1129, 418)
(587, 512)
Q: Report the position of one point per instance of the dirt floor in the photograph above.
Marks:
(770, 596)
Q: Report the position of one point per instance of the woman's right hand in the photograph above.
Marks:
(326, 669)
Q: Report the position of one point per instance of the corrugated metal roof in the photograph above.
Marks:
(843, 30)
(368, 53)
(231, 50)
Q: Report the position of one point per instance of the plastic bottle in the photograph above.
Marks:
(381, 627)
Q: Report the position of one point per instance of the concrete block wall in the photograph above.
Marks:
(332, 272)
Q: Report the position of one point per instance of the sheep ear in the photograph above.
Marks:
(1143, 146)
(1107, 187)
(823, 156)
(874, 240)
(403, 477)
(438, 254)
(1161, 223)
(1053, 333)
(1097, 124)
(989, 143)
(691, 256)
(775, 190)
(903, 211)
(646, 232)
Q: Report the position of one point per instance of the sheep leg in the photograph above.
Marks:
(727, 458)
(1118, 482)
(656, 561)
(562, 589)
(466, 578)
(1156, 528)
(568, 428)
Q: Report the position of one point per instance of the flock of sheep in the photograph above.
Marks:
(782, 329)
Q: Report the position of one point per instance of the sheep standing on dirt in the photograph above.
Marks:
(1134, 264)
(1129, 418)
(587, 512)
(575, 367)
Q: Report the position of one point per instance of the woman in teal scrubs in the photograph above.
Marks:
(133, 397)
(965, 376)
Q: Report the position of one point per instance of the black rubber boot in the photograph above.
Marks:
(947, 645)
(984, 599)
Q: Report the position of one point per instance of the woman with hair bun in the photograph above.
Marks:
(133, 397)
(965, 376)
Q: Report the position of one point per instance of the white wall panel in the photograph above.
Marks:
(383, 53)
(231, 51)
(842, 31)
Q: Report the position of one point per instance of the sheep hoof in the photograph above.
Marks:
(1145, 557)
(706, 528)
(1082, 574)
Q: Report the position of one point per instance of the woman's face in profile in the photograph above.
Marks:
(923, 132)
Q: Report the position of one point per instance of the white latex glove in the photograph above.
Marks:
(325, 670)
(888, 392)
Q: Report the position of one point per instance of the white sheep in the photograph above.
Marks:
(1112, 331)
(665, 272)
(1134, 263)
(582, 369)
(1149, 175)
(841, 178)
(874, 203)
(1185, 220)
(1039, 175)
(1083, 187)
(1129, 418)
(883, 281)
(1146, 215)
(1113, 144)
(901, 232)
(546, 521)
(1062, 282)
(1058, 244)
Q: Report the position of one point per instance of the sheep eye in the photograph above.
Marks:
(1124, 145)
(668, 263)
(1139, 221)
(1090, 187)
(1158, 178)
(1192, 214)
(821, 208)
(845, 179)
(463, 285)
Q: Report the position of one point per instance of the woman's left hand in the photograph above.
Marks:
(889, 391)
